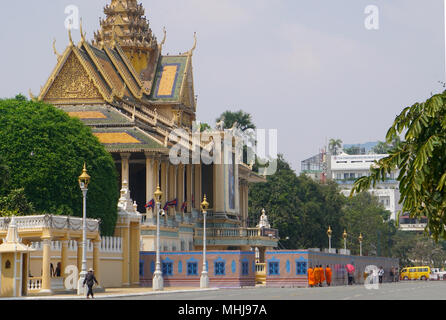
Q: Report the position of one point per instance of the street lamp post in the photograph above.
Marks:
(204, 280)
(84, 180)
(158, 282)
(360, 244)
(344, 235)
(329, 232)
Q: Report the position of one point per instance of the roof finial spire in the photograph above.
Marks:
(191, 51)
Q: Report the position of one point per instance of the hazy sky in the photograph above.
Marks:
(308, 68)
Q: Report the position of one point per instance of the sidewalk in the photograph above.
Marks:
(115, 293)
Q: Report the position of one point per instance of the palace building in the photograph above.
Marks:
(133, 97)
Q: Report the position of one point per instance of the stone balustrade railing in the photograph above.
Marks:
(51, 222)
(34, 284)
(237, 232)
(111, 244)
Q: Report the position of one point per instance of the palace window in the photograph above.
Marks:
(219, 268)
(245, 268)
(167, 268)
(273, 268)
(301, 268)
(192, 268)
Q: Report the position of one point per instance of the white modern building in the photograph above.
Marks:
(345, 169)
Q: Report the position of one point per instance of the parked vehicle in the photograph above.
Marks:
(415, 273)
(437, 274)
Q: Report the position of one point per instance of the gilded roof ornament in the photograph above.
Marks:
(191, 51)
(55, 50)
(164, 38)
(70, 38)
(81, 31)
(33, 98)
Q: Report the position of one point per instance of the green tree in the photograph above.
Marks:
(4, 176)
(385, 148)
(363, 214)
(334, 145)
(243, 119)
(300, 208)
(421, 159)
(45, 151)
(16, 202)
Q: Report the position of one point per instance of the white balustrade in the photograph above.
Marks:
(34, 283)
(111, 244)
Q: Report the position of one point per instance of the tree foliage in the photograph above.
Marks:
(243, 119)
(300, 208)
(421, 159)
(334, 145)
(44, 150)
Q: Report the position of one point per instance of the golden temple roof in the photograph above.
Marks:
(126, 24)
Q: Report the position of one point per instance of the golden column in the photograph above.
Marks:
(46, 260)
(125, 254)
(125, 169)
(63, 256)
(96, 261)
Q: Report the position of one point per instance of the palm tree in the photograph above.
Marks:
(333, 146)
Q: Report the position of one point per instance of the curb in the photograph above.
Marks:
(110, 295)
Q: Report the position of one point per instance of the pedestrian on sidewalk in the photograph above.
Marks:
(90, 280)
(328, 274)
(317, 276)
(381, 274)
(322, 272)
(310, 277)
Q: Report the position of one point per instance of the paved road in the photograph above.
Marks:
(416, 290)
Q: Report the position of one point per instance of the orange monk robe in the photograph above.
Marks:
(317, 276)
(328, 275)
(310, 277)
(322, 271)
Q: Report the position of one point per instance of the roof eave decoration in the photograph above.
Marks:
(61, 62)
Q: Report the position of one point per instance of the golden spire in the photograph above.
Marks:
(132, 28)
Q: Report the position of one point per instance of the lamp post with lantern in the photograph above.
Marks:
(84, 180)
(158, 281)
(360, 244)
(344, 235)
(204, 280)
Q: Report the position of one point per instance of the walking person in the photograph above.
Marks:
(328, 274)
(322, 272)
(317, 276)
(310, 277)
(90, 280)
(381, 274)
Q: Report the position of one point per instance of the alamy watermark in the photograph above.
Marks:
(371, 21)
(228, 146)
(72, 20)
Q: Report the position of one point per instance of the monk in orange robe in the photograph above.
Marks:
(310, 277)
(317, 276)
(322, 271)
(328, 274)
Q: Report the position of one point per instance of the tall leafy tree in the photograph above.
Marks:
(45, 150)
(299, 207)
(363, 214)
(421, 159)
(243, 119)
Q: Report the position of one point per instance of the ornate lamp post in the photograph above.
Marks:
(344, 235)
(329, 232)
(360, 244)
(158, 282)
(84, 180)
(204, 280)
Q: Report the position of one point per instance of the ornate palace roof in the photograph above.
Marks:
(123, 69)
